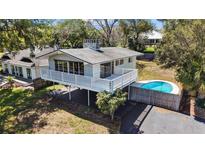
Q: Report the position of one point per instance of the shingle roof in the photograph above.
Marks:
(21, 63)
(93, 56)
(85, 54)
(25, 54)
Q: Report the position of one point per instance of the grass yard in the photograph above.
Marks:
(149, 49)
(149, 70)
(26, 111)
(1, 54)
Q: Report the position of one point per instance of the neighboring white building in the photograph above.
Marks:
(22, 64)
(153, 38)
(92, 68)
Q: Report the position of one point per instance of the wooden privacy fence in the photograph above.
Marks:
(165, 100)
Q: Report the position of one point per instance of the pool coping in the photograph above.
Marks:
(175, 89)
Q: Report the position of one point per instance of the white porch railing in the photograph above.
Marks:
(90, 83)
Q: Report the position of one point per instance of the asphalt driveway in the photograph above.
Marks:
(162, 121)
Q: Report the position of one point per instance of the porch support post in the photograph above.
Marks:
(69, 87)
(88, 97)
(129, 92)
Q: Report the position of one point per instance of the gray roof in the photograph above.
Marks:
(21, 63)
(92, 56)
(24, 54)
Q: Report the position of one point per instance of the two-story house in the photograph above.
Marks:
(93, 67)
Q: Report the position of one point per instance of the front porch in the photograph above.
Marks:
(121, 79)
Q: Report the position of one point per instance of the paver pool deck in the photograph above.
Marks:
(163, 121)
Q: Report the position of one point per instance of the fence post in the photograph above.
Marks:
(129, 92)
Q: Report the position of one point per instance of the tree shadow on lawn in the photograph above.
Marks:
(78, 106)
(140, 66)
(20, 110)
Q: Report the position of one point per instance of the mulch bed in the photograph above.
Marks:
(15, 84)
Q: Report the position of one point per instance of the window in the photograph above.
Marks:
(121, 61)
(16, 70)
(116, 62)
(71, 67)
(81, 68)
(76, 67)
(61, 65)
(130, 60)
(6, 68)
(20, 71)
(28, 71)
(12, 69)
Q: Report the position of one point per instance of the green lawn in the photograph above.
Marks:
(149, 49)
(1, 53)
(15, 101)
(149, 70)
(26, 111)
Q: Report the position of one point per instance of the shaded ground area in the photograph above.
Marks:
(26, 111)
(133, 117)
(79, 96)
(162, 121)
(159, 121)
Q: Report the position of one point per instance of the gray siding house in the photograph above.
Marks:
(92, 68)
(23, 64)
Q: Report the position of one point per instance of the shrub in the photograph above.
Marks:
(200, 103)
(149, 50)
(108, 102)
(10, 81)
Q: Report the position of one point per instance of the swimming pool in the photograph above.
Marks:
(156, 92)
(158, 86)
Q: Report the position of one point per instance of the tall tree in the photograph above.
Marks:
(16, 34)
(105, 29)
(70, 33)
(183, 48)
(132, 30)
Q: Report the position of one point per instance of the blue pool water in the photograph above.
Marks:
(158, 86)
